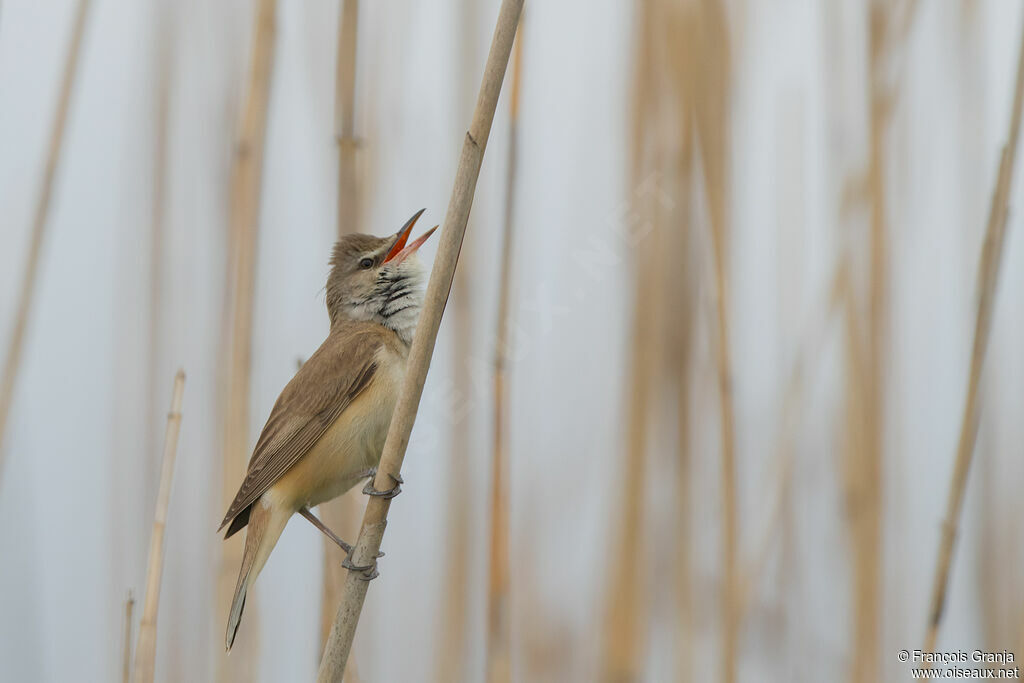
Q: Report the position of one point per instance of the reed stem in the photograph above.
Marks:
(246, 180)
(12, 360)
(145, 649)
(343, 514)
(988, 276)
(498, 655)
(126, 645)
(339, 643)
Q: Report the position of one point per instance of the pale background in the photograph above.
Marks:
(83, 443)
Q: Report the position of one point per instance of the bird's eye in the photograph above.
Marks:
(366, 263)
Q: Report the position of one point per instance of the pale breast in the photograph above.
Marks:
(351, 445)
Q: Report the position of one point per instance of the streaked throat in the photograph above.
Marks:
(401, 298)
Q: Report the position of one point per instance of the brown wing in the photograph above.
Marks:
(322, 388)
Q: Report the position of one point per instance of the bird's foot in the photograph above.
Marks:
(389, 493)
(366, 572)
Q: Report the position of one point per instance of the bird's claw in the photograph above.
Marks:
(366, 572)
(389, 493)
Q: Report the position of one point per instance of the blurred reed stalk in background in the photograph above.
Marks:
(126, 643)
(867, 326)
(624, 629)
(711, 116)
(456, 218)
(455, 600)
(866, 338)
(237, 357)
(344, 117)
(680, 127)
(343, 514)
(675, 221)
(12, 359)
(145, 649)
(988, 276)
(166, 41)
(499, 665)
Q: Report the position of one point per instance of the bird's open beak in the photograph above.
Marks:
(399, 251)
(403, 236)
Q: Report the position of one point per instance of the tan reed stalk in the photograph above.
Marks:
(685, 331)
(684, 563)
(667, 53)
(343, 514)
(682, 309)
(867, 336)
(623, 633)
(853, 447)
(126, 646)
(867, 504)
(622, 647)
(988, 275)
(712, 101)
(145, 649)
(374, 521)
(499, 666)
(12, 359)
(344, 116)
(451, 659)
(244, 222)
(158, 221)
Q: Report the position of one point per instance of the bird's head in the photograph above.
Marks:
(378, 279)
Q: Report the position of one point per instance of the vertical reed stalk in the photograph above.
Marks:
(145, 650)
(623, 637)
(244, 222)
(166, 20)
(498, 654)
(342, 515)
(12, 359)
(866, 347)
(711, 107)
(126, 646)
(730, 522)
(683, 338)
(622, 631)
(855, 481)
(988, 275)
(344, 117)
(681, 310)
(868, 502)
(375, 519)
(684, 562)
(452, 660)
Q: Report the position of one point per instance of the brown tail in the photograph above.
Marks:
(265, 527)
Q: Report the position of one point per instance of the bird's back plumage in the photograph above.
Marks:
(325, 429)
(319, 392)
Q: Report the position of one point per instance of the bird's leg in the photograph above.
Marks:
(369, 572)
(305, 512)
(390, 493)
(363, 474)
